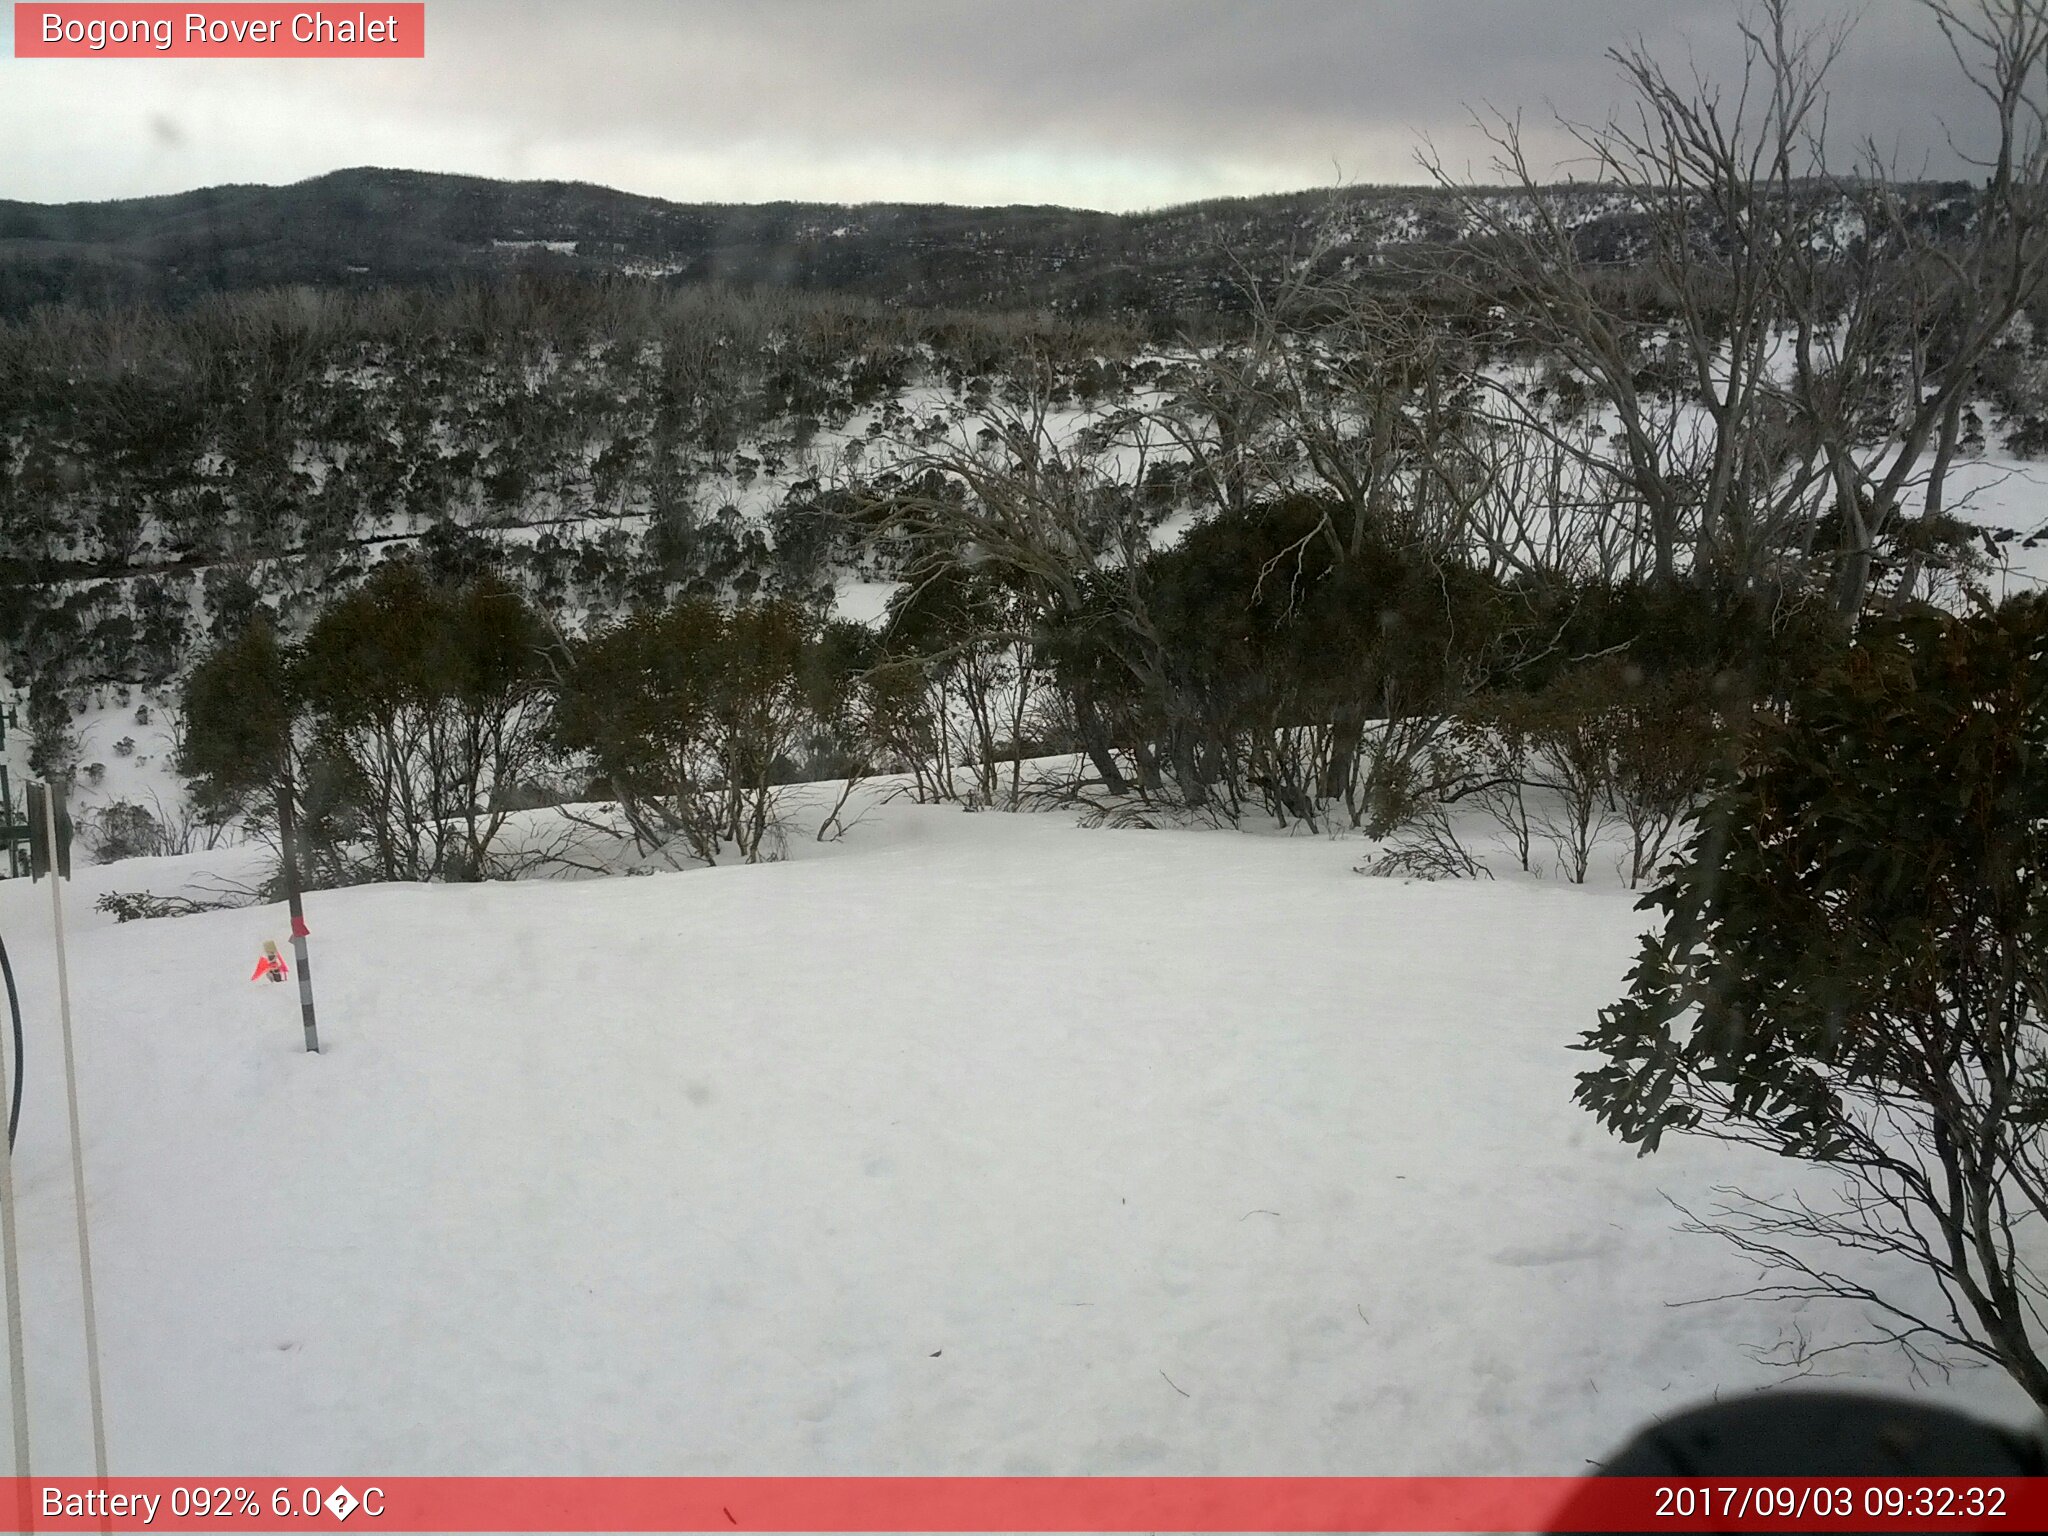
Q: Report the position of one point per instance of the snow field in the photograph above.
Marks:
(965, 1144)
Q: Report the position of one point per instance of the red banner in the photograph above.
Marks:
(1027, 1504)
(372, 30)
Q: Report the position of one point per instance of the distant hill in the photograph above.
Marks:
(371, 228)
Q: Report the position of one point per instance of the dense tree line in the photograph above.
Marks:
(1240, 672)
(363, 231)
(160, 472)
(416, 717)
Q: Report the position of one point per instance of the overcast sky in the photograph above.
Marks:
(1115, 104)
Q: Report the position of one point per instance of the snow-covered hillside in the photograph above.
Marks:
(965, 1144)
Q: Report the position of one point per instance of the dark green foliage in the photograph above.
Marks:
(53, 744)
(691, 717)
(635, 701)
(833, 676)
(1853, 963)
(1669, 743)
(1601, 741)
(242, 704)
(758, 699)
(124, 830)
(1760, 641)
(428, 703)
(135, 906)
(1247, 659)
(451, 554)
(1870, 870)
(366, 659)
(397, 728)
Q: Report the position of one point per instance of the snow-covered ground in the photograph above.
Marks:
(123, 758)
(965, 1144)
(1998, 491)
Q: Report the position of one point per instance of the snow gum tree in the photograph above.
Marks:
(428, 703)
(1853, 972)
(246, 751)
(241, 713)
(390, 735)
(693, 717)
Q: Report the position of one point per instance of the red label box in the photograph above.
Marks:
(367, 29)
(1038, 1504)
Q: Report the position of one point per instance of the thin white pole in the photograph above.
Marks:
(92, 1326)
(17, 1358)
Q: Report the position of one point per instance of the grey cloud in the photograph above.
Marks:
(1110, 102)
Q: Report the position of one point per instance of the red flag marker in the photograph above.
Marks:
(270, 963)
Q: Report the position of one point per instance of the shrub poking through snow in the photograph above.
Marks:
(1853, 971)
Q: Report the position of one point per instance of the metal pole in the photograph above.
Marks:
(92, 1327)
(288, 843)
(11, 837)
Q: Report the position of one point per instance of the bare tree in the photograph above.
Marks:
(1930, 305)
(1360, 407)
(1814, 335)
(1026, 492)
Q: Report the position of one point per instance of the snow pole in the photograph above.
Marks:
(287, 844)
(17, 1360)
(58, 865)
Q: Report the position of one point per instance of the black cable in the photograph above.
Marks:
(14, 1007)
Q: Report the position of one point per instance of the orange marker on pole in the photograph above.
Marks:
(270, 963)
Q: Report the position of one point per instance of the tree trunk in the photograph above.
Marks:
(1095, 742)
(1347, 736)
